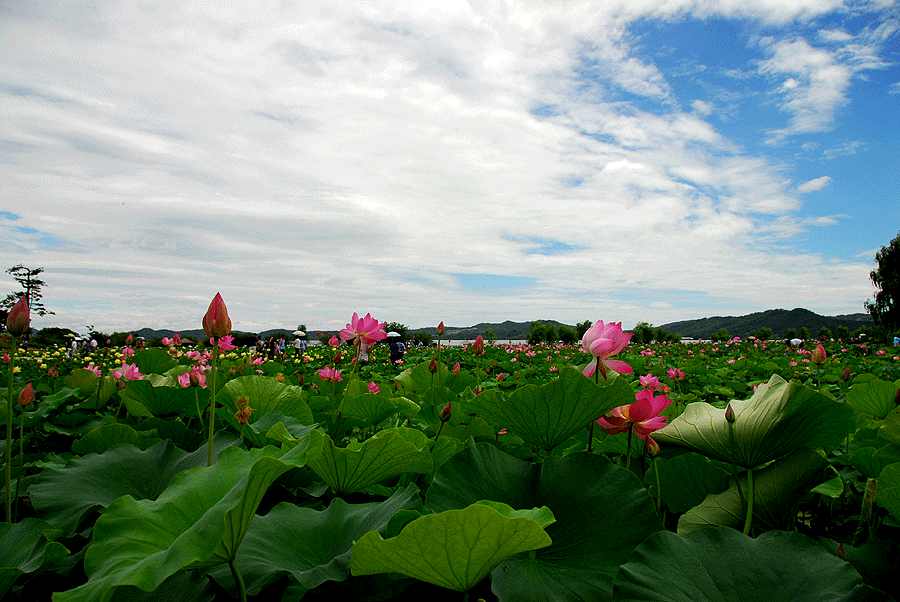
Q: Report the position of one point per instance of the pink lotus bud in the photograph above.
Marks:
(456, 368)
(446, 413)
(19, 318)
(729, 414)
(216, 322)
(373, 388)
(845, 377)
(433, 366)
(818, 355)
(478, 345)
(651, 447)
(129, 340)
(26, 397)
(338, 357)
(334, 342)
(841, 552)
(440, 328)
(176, 340)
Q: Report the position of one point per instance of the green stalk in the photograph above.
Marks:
(628, 455)
(346, 391)
(749, 519)
(21, 456)
(238, 579)
(733, 445)
(658, 487)
(9, 402)
(212, 403)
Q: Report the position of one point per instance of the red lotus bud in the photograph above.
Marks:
(129, 340)
(841, 552)
(19, 319)
(729, 414)
(845, 377)
(456, 368)
(26, 397)
(818, 355)
(433, 366)
(177, 339)
(216, 322)
(338, 357)
(446, 413)
(440, 328)
(651, 447)
(478, 345)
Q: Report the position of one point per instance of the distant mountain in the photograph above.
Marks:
(779, 320)
(505, 331)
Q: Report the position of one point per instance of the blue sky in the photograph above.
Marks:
(448, 161)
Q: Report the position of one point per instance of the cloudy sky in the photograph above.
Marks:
(616, 160)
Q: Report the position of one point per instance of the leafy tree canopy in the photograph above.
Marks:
(29, 280)
(885, 309)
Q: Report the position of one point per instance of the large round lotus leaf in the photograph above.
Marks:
(154, 360)
(547, 415)
(889, 489)
(312, 546)
(777, 490)
(454, 549)
(265, 395)
(602, 514)
(199, 520)
(875, 398)
(779, 418)
(24, 548)
(723, 565)
(162, 400)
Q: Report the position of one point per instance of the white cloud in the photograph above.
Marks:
(814, 184)
(312, 160)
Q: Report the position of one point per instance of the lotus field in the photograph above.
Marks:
(734, 471)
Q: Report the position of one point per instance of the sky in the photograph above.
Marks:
(464, 162)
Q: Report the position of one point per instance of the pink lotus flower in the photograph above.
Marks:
(19, 319)
(373, 388)
(129, 340)
(366, 330)
(216, 322)
(184, 379)
(329, 374)
(95, 369)
(675, 373)
(650, 382)
(334, 342)
(129, 371)
(225, 343)
(640, 416)
(603, 341)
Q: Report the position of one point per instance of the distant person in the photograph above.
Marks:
(364, 353)
(397, 350)
(298, 347)
(896, 341)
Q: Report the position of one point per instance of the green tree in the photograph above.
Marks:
(642, 333)
(842, 333)
(885, 309)
(790, 333)
(29, 280)
(397, 327)
(567, 335)
(490, 335)
(424, 337)
(721, 335)
(824, 333)
(537, 333)
(803, 333)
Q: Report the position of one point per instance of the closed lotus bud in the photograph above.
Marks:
(26, 397)
(897, 398)
(440, 328)
(19, 318)
(301, 380)
(446, 413)
(841, 552)
(729, 414)
(338, 357)
(478, 345)
(216, 322)
(433, 366)
(651, 447)
(845, 377)
(129, 340)
(818, 355)
(176, 340)
(456, 368)
(334, 342)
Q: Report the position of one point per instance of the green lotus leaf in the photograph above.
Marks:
(47, 406)
(775, 567)
(185, 586)
(890, 428)
(542, 516)
(162, 400)
(686, 480)
(312, 546)
(85, 381)
(875, 398)
(370, 408)
(386, 454)
(547, 415)
(265, 395)
(870, 461)
(777, 491)
(779, 418)
(889, 489)
(455, 549)
(602, 513)
(63, 495)
(198, 521)
(154, 361)
(24, 548)
(101, 439)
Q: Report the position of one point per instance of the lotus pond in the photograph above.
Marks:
(469, 472)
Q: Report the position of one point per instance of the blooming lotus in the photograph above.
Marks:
(675, 373)
(225, 343)
(603, 341)
(129, 371)
(373, 388)
(329, 374)
(640, 416)
(366, 330)
(650, 382)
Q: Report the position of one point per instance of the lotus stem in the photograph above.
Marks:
(749, 520)
(591, 435)
(212, 404)
(628, 454)
(9, 404)
(21, 457)
(238, 579)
